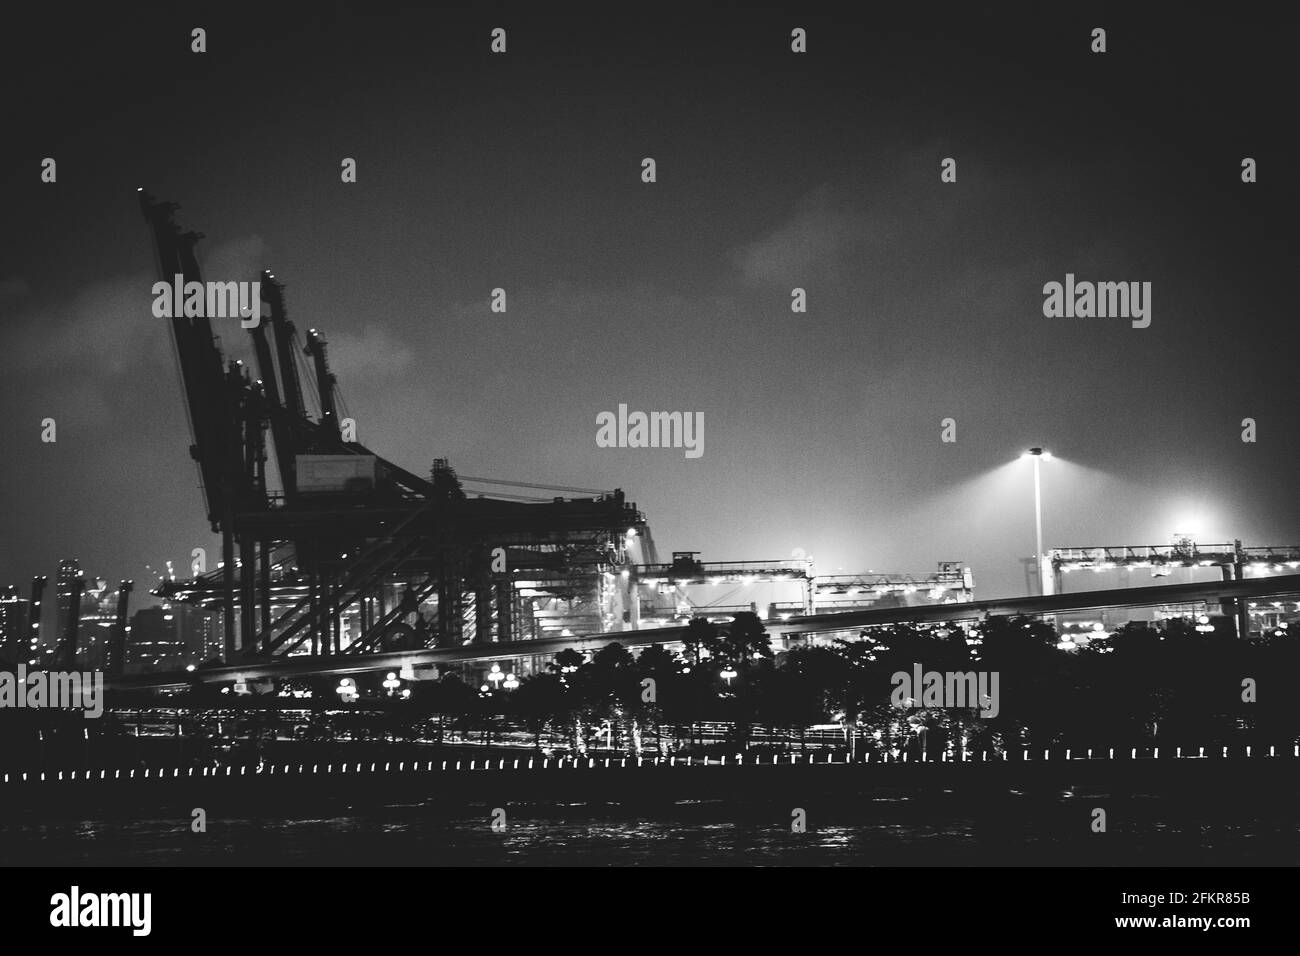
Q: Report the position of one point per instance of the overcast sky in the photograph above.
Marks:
(775, 170)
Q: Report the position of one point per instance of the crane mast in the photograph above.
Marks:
(324, 385)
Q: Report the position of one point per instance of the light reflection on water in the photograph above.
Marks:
(880, 831)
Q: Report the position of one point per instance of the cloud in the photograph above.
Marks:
(100, 332)
(821, 230)
(373, 353)
(240, 260)
(107, 330)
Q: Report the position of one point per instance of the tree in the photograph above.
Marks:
(616, 691)
(566, 661)
(538, 700)
(746, 638)
(700, 633)
(664, 668)
(575, 678)
(452, 698)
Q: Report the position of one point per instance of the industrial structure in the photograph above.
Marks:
(1234, 562)
(349, 553)
(335, 558)
(330, 549)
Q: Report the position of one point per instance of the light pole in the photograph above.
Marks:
(1037, 454)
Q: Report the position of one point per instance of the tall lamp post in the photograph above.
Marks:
(1037, 455)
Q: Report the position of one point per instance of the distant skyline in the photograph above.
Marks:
(774, 171)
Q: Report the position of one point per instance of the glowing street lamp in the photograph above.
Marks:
(1037, 454)
(511, 683)
(495, 676)
(391, 683)
(727, 675)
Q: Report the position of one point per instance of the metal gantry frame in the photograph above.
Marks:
(374, 553)
(952, 582)
(1233, 561)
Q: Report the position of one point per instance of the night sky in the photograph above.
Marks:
(775, 170)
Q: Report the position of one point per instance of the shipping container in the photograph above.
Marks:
(335, 474)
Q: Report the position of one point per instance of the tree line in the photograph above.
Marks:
(1142, 685)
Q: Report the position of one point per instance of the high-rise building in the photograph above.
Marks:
(14, 612)
(207, 639)
(95, 631)
(170, 637)
(65, 586)
(97, 611)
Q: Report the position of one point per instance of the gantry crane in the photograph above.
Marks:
(347, 528)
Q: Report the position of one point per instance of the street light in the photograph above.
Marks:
(495, 675)
(727, 675)
(1037, 454)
